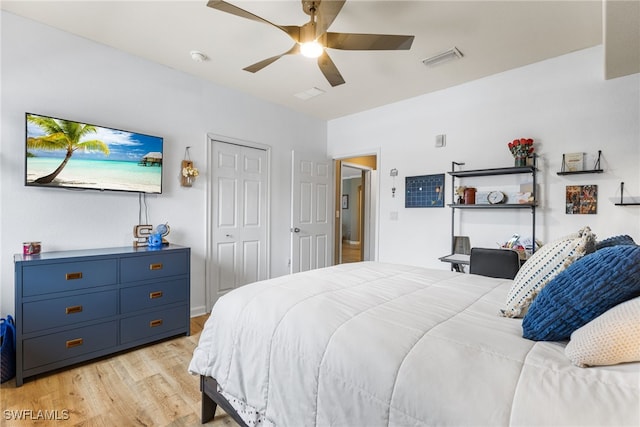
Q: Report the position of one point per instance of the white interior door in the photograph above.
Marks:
(311, 208)
(240, 219)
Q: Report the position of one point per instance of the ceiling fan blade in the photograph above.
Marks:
(326, 13)
(260, 65)
(330, 70)
(292, 30)
(347, 41)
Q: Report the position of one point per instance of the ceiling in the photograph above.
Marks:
(494, 36)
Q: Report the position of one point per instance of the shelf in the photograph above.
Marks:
(490, 172)
(456, 259)
(581, 172)
(596, 167)
(622, 202)
(500, 206)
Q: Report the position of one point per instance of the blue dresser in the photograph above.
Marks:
(73, 306)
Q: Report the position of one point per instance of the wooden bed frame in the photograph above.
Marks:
(211, 399)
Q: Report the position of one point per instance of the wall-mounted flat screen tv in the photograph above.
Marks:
(66, 154)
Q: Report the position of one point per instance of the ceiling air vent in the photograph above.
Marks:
(448, 55)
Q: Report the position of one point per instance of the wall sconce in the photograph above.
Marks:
(189, 172)
(393, 174)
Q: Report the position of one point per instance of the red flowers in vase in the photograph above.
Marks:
(521, 149)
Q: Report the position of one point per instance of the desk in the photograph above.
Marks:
(457, 260)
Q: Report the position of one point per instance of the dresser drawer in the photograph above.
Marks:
(153, 295)
(65, 345)
(153, 266)
(68, 276)
(51, 313)
(154, 323)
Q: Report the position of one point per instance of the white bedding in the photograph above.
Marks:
(373, 344)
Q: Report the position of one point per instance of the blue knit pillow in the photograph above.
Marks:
(586, 289)
(614, 241)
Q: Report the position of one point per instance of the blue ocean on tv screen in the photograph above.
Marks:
(133, 161)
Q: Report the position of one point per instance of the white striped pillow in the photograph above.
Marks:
(544, 265)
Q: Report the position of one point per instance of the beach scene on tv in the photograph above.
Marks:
(63, 153)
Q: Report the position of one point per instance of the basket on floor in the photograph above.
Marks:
(7, 349)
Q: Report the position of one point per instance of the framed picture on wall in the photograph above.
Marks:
(581, 199)
(345, 201)
(425, 191)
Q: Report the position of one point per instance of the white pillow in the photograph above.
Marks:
(543, 266)
(609, 339)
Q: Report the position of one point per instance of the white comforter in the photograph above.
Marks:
(372, 344)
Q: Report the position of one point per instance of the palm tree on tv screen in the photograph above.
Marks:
(62, 135)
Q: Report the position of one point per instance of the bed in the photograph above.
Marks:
(377, 344)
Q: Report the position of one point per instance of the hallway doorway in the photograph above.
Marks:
(352, 218)
(355, 212)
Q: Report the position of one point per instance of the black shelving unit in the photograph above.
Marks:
(459, 174)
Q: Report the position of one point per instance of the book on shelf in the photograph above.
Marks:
(573, 162)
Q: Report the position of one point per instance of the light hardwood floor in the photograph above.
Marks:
(350, 252)
(148, 386)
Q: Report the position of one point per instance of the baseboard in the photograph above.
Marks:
(198, 311)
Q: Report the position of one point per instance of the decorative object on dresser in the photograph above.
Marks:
(31, 248)
(143, 233)
(73, 306)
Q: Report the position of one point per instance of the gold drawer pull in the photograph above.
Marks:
(74, 343)
(157, 266)
(155, 323)
(74, 309)
(74, 276)
(154, 295)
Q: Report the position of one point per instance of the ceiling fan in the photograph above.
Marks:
(312, 39)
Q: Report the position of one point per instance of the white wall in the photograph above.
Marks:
(55, 73)
(564, 104)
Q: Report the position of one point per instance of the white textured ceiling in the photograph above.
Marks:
(494, 36)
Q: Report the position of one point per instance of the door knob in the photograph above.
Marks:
(228, 235)
(295, 230)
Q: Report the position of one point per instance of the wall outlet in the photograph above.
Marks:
(441, 140)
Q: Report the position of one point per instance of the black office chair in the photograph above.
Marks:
(499, 263)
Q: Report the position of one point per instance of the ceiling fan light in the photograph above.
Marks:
(311, 49)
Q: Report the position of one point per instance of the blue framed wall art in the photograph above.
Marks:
(425, 191)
